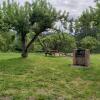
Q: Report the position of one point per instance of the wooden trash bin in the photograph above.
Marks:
(81, 57)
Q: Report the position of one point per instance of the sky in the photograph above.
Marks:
(75, 7)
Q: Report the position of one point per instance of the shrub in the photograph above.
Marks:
(89, 43)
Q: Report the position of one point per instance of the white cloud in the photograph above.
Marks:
(75, 7)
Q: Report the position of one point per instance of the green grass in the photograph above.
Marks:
(48, 78)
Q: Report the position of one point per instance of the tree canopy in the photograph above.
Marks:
(36, 17)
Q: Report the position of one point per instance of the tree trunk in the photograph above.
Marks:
(24, 50)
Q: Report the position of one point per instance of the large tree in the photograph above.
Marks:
(88, 24)
(37, 17)
(84, 25)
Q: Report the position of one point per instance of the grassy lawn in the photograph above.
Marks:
(48, 78)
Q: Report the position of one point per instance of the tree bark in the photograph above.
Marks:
(33, 39)
(24, 50)
(24, 46)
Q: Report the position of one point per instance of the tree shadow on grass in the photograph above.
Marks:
(15, 66)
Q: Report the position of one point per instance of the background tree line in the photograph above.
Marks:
(31, 27)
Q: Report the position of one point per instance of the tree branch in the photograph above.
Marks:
(33, 39)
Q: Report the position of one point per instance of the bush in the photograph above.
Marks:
(62, 42)
(89, 43)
